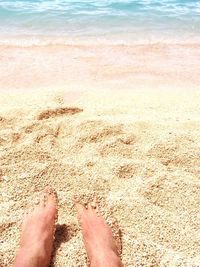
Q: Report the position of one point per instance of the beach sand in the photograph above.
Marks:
(120, 122)
(100, 66)
(137, 150)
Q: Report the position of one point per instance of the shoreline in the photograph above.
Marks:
(156, 66)
(26, 40)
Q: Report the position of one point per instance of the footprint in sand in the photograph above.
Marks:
(98, 131)
(43, 132)
(126, 171)
(122, 146)
(171, 193)
(181, 152)
(52, 113)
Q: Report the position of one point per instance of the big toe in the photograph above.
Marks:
(51, 199)
(80, 208)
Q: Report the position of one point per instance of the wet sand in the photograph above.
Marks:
(137, 149)
(136, 66)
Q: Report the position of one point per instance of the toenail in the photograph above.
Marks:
(93, 205)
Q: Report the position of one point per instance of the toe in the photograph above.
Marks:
(89, 207)
(51, 199)
(80, 209)
(42, 200)
(25, 217)
(93, 206)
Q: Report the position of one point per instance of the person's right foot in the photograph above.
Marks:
(99, 242)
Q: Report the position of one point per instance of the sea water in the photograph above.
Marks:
(122, 21)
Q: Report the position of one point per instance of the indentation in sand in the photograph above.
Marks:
(96, 131)
(52, 113)
(118, 147)
(180, 151)
(93, 133)
(171, 193)
(33, 127)
(126, 171)
(128, 139)
(42, 132)
(100, 134)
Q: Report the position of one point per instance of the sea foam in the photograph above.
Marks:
(120, 20)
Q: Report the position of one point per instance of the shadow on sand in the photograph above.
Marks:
(63, 234)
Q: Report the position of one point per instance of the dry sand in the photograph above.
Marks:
(137, 150)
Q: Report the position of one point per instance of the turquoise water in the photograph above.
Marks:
(122, 19)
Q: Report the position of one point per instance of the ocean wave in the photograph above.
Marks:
(92, 17)
(37, 6)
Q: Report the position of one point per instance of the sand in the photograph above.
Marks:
(102, 66)
(137, 150)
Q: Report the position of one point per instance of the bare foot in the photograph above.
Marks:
(99, 242)
(37, 233)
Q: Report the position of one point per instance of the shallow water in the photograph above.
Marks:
(122, 21)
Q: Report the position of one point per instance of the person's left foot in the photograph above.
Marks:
(37, 233)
